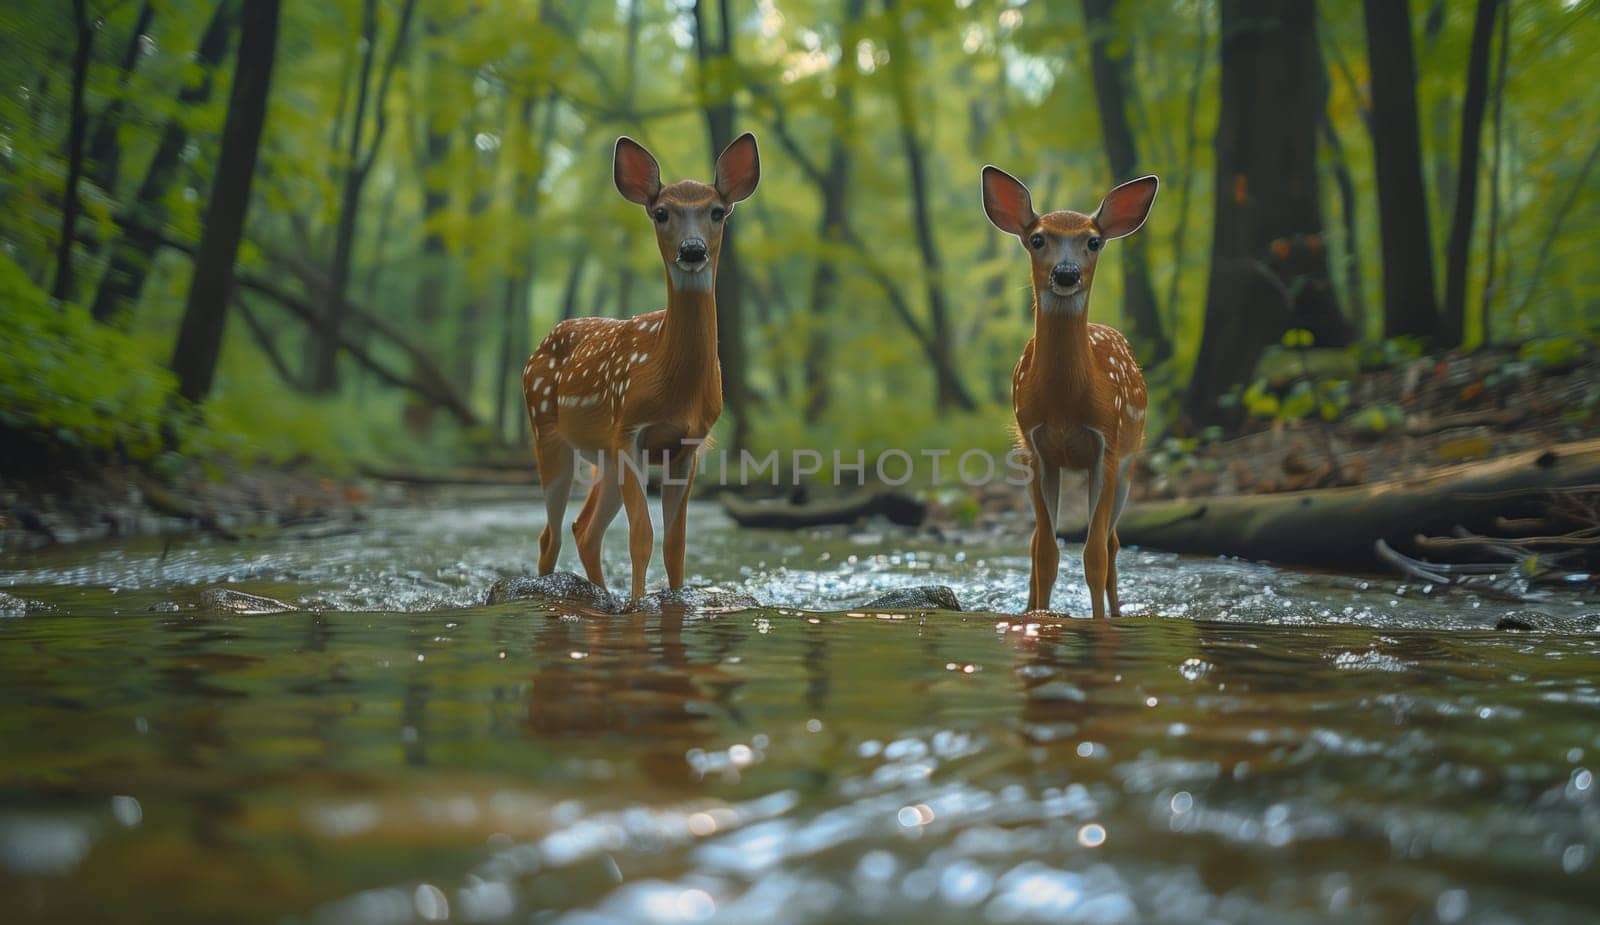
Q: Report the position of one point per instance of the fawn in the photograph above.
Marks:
(621, 391)
(1077, 392)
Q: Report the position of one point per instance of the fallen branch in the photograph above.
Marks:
(429, 382)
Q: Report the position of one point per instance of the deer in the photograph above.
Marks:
(1077, 393)
(621, 391)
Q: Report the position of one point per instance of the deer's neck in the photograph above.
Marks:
(1061, 357)
(688, 344)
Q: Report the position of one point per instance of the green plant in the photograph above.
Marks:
(73, 385)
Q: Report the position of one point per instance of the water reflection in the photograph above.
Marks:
(1243, 756)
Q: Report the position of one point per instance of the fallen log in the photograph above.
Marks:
(898, 507)
(474, 475)
(1338, 528)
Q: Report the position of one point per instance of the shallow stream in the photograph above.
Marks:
(1248, 744)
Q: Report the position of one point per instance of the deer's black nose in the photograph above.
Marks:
(1066, 274)
(692, 251)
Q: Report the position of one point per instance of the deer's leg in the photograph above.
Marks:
(556, 466)
(676, 481)
(605, 499)
(1045, 490)
(1103, 488)
(1113, 542)
(641, 534)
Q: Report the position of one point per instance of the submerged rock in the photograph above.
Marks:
(694, 600)
(558, 588)
(1532, 622)
(11, 604)
(226, 600)
(921, 597)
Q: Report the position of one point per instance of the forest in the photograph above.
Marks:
(264, 231)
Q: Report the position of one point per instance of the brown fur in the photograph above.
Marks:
(612, 387)
(1076, 379)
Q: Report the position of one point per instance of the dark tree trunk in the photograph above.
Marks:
(1348, 219)
(948, 389)
(432, 285)
(104, 154)
(716, 92)
(569, 292)
(1191, 133)
(1269, 266)
(325, 349)
(325, 352)
(125, 274)
(1409, 305)
(1112, 96)
(199, 344)
(835, 193)
(71, 206)
(1453, 323)
(1492, 282)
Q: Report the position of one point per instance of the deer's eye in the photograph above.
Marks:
(718, 213)
(660, 215)
(1037, 241)
(1094, 243)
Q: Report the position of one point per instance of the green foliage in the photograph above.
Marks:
(1553, 353)
(999, 82)
(74, 384)
(1376, 420)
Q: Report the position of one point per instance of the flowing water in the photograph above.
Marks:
(1249, 744)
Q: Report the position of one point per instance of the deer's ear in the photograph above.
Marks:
(739, 169)
(1126, 207)
(1007, 202)
(637, 174)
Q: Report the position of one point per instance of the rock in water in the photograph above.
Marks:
(921, 597)
(224, 600)
(1534, 622)
(556, 589)
(694, 600)
(11, 604)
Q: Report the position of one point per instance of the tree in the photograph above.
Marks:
(194, 358)
(1113, 95)
(1269, 265)
(1452, 329)
(949, 391)
(833, 187)
(717, 67)
(1409, 306)
(361, 155)
(104, 154)
(125, 273)
(71, 205)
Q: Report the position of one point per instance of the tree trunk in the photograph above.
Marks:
(125, 274)
(1269, 266)
(1453, 324)
(1112, 96)
(104, 154)
(70, 204)
(1409, 306)
(948, 390)
(325, 353)
(835, 193)
(199, 344)
(716, 93)
(569, 292)
(1346, 185)
(432, 282)
(1191, 132)
(325, 349)
(1492, 282)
